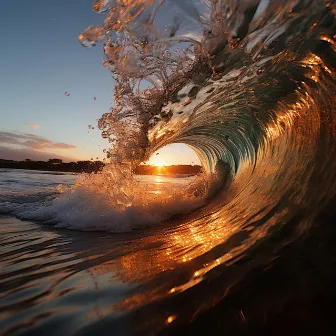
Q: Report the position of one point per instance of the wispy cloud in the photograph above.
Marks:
(19, 154)
(29, 123)
(31, 141)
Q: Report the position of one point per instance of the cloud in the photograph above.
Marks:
(31, 141)
(19, 154)
(29, 123)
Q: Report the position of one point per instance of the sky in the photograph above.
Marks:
(40, 60)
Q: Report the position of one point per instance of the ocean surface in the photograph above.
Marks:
(246, 248)
(59, 281)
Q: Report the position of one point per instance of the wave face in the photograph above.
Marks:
(250, 86)
(224, 77)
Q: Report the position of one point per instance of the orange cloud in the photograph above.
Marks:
(29, 123)
(32, 141)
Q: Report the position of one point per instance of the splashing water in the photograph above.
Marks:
(182, 68)
(236, 81)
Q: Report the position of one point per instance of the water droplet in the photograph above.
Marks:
(171, 318)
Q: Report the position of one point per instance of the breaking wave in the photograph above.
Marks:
(250, 86)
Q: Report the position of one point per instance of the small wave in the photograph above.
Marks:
(88, 206)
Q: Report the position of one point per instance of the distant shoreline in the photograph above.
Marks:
(95, 166)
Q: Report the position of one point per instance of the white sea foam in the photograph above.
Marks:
(88, 205)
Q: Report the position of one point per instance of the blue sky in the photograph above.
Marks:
(41, 59)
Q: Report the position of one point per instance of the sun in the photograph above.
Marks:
(158, 162)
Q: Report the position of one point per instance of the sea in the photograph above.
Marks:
(62, 280)
(246, 248)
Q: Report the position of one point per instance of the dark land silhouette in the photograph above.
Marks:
(95, 166)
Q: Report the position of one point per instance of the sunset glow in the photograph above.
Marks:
(158, 162)
(174, 154)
